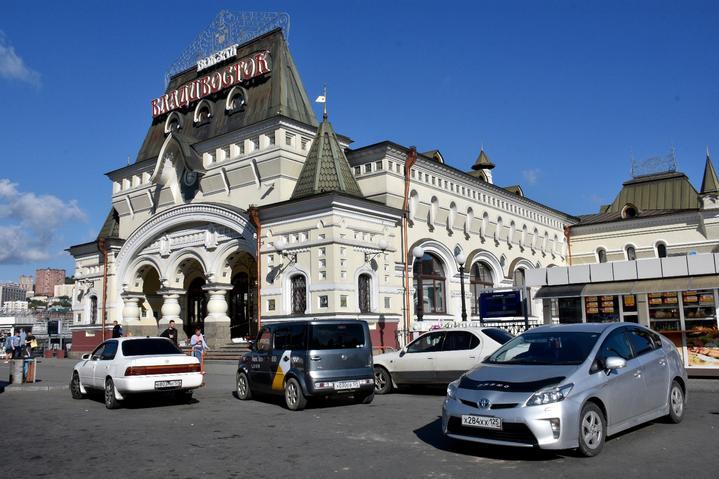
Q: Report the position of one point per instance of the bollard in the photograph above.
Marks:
(16, 370)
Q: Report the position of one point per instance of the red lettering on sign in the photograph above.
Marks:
(262, 66)
(216, 82)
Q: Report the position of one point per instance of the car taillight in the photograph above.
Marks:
(162, 369)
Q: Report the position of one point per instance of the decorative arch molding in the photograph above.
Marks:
(173, 118)
(441, 251)
(374, 293)
(521, 263)
(178, 257)
(203, 104)
(138, 263)
(232, 97)
(179, 216)
(291, 271)
(487, 257)
(218, 264)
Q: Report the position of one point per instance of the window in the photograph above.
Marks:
(498, 335)
(661, 250)
(368, 168)
(98, 351)
(299, 294)
(480, 279)
(337, 336)
(290, 337)
(617, 345)
(270, 305)
(518, 278)
(93, 309)
(641, 342)
(602, 255)
(429, 285)
(149, 346)
(288, 139)
(364, 292)
(264, 340)
(387, 302)
(108, 353)
(322, 251)
(631, 253)
(428, 343)
(459, 340)
(324, 301)
(378, 166)
(343, 301)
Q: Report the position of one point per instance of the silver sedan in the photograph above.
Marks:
(568, 386)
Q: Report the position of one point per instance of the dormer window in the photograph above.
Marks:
(203, 113)
(173, 122)
(629, 211)
(602, 255)
(236, 100)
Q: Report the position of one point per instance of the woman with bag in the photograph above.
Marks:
(30, 344)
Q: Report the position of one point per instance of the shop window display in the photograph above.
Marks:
(701, 334)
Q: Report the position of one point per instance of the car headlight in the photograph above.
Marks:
(452, 389)
(551, 395)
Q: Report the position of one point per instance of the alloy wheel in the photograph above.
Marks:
(592, 429)
(291, 393)
(677, 400)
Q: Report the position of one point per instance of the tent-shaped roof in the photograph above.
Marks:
(482, 162)
(326, 167)
(710, 183)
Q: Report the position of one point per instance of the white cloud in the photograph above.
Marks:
(29, 223)
(12, 65)
(531, 176)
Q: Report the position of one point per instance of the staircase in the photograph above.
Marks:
(227, 352)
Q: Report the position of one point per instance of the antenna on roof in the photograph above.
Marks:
(323, 99)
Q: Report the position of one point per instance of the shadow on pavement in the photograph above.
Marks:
(313, 403)
(144, 401)
(432, 434)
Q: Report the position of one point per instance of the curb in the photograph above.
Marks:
(17, 389)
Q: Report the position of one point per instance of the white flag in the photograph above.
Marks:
(321, 99)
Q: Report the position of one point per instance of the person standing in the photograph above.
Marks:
(30, 342)
(16, 352)
(170, 333)
(21, 344)
(198, 344)
(8, 347)
(116, 330)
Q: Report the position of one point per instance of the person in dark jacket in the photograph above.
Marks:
(116, 330)
(170, 333)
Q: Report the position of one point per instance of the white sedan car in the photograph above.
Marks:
(437, 357)
(125, 366)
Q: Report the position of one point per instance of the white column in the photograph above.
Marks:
(131, 309)
(217, 323)
(170, 307)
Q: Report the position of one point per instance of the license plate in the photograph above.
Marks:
(347, 385)
(486, 422)
(175, 383)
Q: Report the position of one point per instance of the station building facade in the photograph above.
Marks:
(242, 208)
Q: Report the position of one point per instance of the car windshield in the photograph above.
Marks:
(149, 346)
(337, 336)
(499, 335)
(546, 348)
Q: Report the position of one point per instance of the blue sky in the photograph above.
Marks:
(561, 94)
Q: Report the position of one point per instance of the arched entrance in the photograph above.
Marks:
(242, 300)
(196, 307)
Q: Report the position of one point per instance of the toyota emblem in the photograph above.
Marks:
(483, 403)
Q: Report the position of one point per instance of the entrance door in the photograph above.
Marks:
(196, 307)
(240, 306)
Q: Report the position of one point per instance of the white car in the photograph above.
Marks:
(437, 357)
(124, 366)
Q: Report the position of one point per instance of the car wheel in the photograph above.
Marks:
(75, 389)
(294, 398)
(382, 380)
(592, 430)
(184, 397)
(111, 401)
(677, 403)
(365, 398)
(243, 387)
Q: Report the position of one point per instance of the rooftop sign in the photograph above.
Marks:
(251, 66)
(218, 57)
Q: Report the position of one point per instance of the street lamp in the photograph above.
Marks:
(418, 253)
(460, 262)
(383, 245)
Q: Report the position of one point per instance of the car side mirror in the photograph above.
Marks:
(402, 352)
(85, 357)
(614, 362)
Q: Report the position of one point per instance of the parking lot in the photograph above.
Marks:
(48, 434)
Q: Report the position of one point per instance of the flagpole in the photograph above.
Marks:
(324, 105)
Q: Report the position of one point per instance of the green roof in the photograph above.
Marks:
(326, 167)
(710, 183)
(663, 191)
(482, 162)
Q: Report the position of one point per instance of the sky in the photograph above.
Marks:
(561, 94)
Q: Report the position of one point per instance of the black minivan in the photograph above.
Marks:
(309, 358)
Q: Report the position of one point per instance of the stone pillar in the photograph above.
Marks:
(217, 323)
(171, 311)
(132, 323)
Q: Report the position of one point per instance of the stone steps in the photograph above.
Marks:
(227, 352)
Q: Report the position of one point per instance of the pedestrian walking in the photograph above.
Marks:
(8, 347)
(170, 333)
(30, 343)
(21, 344)
(116, 330)
(16, 348)
(198, 344)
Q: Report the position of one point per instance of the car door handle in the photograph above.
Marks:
(429, 358)
(662, 362)
(285, 358)
(473, 357)
(315, 358)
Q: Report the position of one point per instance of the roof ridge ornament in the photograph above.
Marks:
(225, 30)
(655, 165)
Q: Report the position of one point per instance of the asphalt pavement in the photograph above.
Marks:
(48, 434)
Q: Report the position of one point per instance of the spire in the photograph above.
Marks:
(482, 162)
(710, 183)
(326, 167)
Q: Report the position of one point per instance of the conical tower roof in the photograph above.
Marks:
(710, 183)
(326, 167)
(482, 162)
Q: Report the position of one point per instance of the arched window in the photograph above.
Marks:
(661, 250)
(602, 255)
(93, 309)
(364, 285)
(480, 279)
(236, 100)
(429, 285)
(518, 278)
(299, 294)
(203, 112)
(413, 202)
(631, 253)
